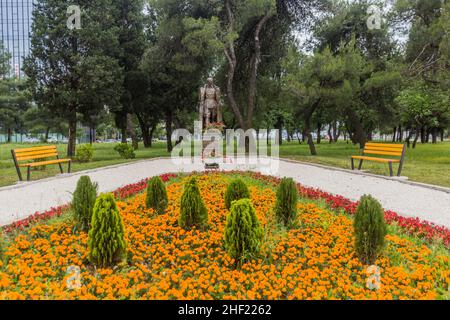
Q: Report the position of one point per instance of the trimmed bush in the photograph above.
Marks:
(243, 232)
(85, 152)
(192, 211)
(83, 202)
(237, 190)
(370, 230)
(157, 195)
(287, 198)
(125, 151)
(106, 241)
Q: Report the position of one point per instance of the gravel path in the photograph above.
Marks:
(19, 201)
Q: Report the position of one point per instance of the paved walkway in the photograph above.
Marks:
(19, 201)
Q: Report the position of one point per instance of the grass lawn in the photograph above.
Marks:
(428, 163)
(104, 155)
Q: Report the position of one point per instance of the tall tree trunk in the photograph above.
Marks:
(359, 135)
(9, 138)
(423, 135)
(230, 53)
(394, 136)
(408, 138)
(330, 134)
(71, 147)
(255, 61)
(319, 130)
(434, 135)
(152, 132)
(418, 134)
(307, 132)
(147, 139)
(169, 121)
(336, 132)
(132, 131)
(47, 133)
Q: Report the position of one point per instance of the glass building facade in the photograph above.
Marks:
(15, 28)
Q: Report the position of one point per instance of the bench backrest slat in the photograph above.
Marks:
(25, 154)
(37, 156)
(384, 149)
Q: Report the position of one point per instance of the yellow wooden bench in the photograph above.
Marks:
(39, 153)
(375, 149)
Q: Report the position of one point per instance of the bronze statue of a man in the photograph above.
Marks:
(210, 108)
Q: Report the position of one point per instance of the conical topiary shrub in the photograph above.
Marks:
(243, 232)
(287, 198)
(106, 238)
(370, 230)
(237, 190)
(157, 195)
(83, 202)
(192, 211)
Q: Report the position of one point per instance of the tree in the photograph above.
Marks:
(181, 55)
(129, 20)
(13, 104)
(71, 70)
(256, 34)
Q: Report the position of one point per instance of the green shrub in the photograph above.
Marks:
(85, 152)
(370, 230)
(106, 238)
(83, 202)
(125, 151)
(243, 232)
(287, 198)
(192, 211)
(157, 195)
(237, 190)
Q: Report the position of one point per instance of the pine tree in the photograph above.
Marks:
(106, 238)
(157, 195)
(287, 198)
(370, 230)
(192, 211)
(243, 232)
(73, 72)
(236, 190)
(83, 202)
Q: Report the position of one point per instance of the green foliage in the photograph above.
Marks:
(85, 152)
(83, 202)
(243, 232)
(193, 211)
(106, 238)
(370, 230)
(287, 198)
(125, 150)
(157, 195)
(237, 190)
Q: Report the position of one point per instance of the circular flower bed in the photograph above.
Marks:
(315, 260)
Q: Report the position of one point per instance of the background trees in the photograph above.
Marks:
(310, 68)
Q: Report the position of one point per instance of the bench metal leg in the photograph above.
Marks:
(391, 171)
(16, 164)
(360, 164)
(353, 164)
(69, 167)
(28, 173)
(400, 168)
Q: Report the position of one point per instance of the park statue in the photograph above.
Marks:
(210, 105)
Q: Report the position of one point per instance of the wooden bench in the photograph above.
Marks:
(39, 153)
(374, 149)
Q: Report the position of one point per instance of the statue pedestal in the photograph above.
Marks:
(210, 156)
